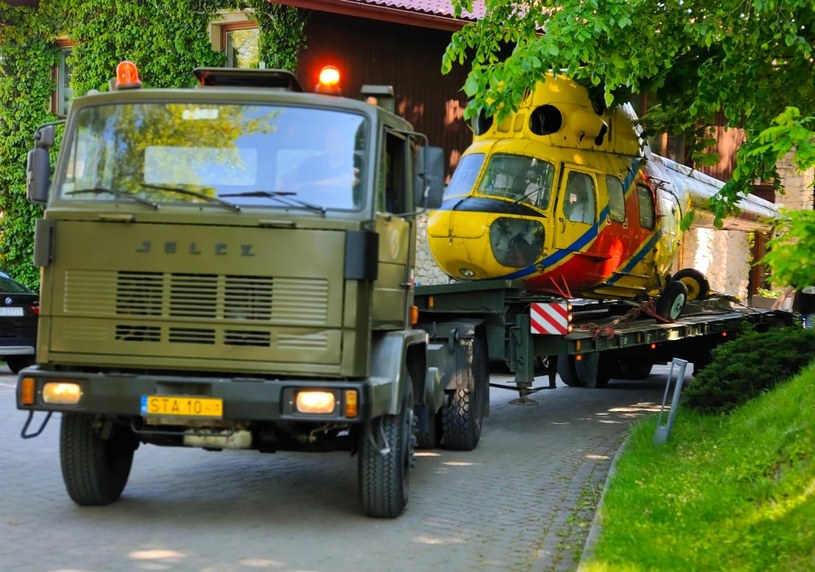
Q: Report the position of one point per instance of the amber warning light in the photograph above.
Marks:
(127, 76)
(329, 81)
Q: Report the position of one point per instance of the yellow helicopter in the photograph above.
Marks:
(567, 196)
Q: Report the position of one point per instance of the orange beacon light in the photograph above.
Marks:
(329, 81)
(127, 76)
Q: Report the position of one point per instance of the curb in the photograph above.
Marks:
(596, 526)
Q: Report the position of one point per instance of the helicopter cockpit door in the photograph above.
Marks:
(576, 210)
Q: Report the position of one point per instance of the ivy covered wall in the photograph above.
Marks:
(167, 39)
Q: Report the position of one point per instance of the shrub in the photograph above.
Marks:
(745, 367)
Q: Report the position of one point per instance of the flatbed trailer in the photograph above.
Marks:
(602, 340)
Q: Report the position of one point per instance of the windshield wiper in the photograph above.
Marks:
(284, 197)
(115, 193)
(191, 193)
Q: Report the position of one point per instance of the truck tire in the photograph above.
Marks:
(696, 283)
(672, 300)
(94, 469)
(384, 476)
(567, 371)
(463, 414)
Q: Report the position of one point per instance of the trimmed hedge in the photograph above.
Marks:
(747, 366)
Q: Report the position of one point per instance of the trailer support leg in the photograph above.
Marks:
(524, 357)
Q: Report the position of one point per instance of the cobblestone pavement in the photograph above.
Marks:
(507, 506)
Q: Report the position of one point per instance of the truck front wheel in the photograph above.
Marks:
(385, 456)
(95, 467)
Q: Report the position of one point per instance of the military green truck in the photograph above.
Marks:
(230, 266)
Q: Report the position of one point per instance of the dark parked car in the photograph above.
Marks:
(19, 308)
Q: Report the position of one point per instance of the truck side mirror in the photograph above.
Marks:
(38, 167)
(429, 186)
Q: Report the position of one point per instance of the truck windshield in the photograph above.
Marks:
(197, 153)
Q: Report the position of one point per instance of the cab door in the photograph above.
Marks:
(397, 234)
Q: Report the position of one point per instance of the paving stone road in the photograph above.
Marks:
(510, 505)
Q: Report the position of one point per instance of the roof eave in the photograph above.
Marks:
(381, 13)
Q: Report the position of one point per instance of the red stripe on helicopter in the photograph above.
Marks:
(552, 318)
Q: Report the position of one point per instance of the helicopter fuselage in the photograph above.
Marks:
(569, 198)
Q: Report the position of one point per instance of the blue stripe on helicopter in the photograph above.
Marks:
(636, 258)
(632, 172)
(584, 240)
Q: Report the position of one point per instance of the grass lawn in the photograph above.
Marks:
(733, 492)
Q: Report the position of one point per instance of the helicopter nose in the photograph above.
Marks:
(488, 246)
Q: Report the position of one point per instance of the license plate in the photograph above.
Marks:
(10, 311)
(181, 406)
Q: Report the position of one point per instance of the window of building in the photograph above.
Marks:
(236, 35)
(61, 99)
(241, 45)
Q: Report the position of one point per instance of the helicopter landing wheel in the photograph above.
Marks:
(672, 300)
(696, 283)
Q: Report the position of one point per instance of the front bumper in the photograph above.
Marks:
(243, 399)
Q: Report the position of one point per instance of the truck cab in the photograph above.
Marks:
(231, 266)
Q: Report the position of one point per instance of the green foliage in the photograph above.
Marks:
(748, 366)
(697, 60)
(282, 33)
(167, 39)
(790, 254)
(728, 492)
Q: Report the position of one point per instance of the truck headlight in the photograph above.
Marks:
(315, 401)
(61, 392)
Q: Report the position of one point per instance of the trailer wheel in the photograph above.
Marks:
(576, 373)
(95, 468)
(463, 414)
(696, 283)
(672, 300)
(600, 380)
(385, 456)
(567, 371)
(635, 371)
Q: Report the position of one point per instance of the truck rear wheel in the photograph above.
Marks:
(384, 467)
(95, 469)
(463, 414)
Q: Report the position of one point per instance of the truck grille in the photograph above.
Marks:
(242, 307)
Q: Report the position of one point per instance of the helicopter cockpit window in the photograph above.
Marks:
(579, 205)
(646, 202)
(463, 179)
(616, 199)
(519, 178)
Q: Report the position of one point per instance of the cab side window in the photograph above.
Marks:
(646, 203)
(579, 203)
(391, 192)
(616, 199)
